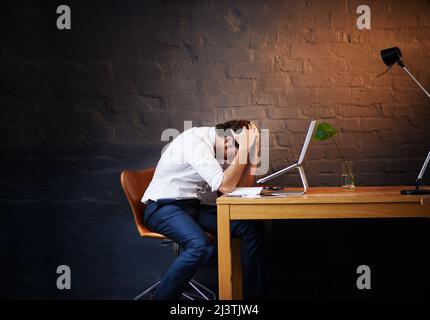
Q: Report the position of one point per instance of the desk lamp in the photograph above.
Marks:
(390, 56)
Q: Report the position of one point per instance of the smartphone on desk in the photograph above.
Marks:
(273, 188)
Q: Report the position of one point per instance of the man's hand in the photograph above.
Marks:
(248, 175)
(254, 135)
(248, 136)
(233, 174)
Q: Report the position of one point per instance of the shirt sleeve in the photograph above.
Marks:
(202, 158)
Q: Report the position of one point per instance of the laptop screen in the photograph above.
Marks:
(307, 142)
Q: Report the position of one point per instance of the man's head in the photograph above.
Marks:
(229, 131)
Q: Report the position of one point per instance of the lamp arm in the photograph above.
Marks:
(423, 169)
(416, 81)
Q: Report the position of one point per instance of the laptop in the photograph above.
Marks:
(298, 164)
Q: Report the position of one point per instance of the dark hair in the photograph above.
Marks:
(232, 125)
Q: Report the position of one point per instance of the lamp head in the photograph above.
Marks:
(391, 56)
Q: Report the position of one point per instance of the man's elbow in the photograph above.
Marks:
(225, 188)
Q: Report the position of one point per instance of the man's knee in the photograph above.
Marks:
(250, 230)
(200, 249)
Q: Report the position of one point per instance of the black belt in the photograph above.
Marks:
(179, 201)
(190, 204)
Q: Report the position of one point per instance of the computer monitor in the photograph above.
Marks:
(299, 163)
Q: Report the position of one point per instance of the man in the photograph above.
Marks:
(188, 165)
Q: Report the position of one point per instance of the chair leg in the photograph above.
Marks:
(199, 292)
(187, 296)
(202, 293)
(210, 295)
(151, 288)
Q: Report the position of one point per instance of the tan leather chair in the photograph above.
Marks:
(134, 184)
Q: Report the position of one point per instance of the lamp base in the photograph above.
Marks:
(415, 192)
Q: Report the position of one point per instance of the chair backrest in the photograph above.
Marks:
(134, 184)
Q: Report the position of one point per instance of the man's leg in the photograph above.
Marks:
(177, 224)
(251, 232)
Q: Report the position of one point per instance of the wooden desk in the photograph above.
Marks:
(317, 203)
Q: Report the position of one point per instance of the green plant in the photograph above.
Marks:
(325, 131)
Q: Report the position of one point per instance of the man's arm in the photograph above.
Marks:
(234, 172)
(248, 175)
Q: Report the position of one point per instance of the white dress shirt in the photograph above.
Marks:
(186, 166)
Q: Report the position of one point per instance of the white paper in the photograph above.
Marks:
(271, 195)
(246, 191)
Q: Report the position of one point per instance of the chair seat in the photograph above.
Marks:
(156, 235)
(153, 235)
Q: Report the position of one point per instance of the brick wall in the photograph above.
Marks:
(80, 105)
(95, 99)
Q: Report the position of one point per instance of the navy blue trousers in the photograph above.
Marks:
(185, 222)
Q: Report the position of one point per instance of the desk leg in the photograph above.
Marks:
(224, 253)
(237, 270)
